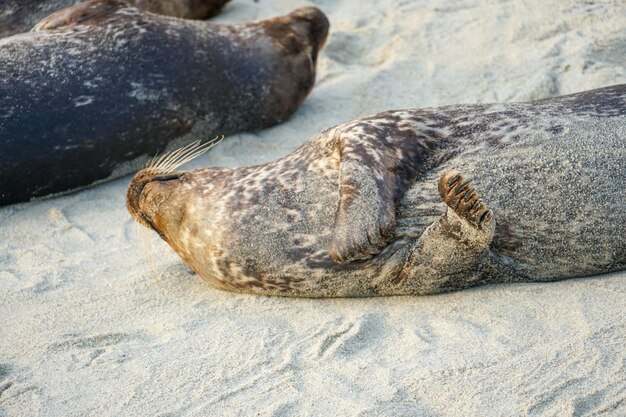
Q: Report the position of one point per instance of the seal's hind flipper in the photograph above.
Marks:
(82, 13)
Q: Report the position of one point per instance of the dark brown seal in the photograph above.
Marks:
(101, 84)
(18, 16)
(383, 205)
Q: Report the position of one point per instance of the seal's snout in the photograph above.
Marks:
(314, 22)
(151, 188)
(135, 194)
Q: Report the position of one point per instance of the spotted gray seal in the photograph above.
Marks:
(18, 16)
(384, 205)
(102, 83)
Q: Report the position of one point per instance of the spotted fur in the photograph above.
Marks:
(357, 210)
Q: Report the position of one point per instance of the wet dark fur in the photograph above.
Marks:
(108, 84)
(18, 16)
(356, 211)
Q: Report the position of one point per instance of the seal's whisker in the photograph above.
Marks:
(193, 152)
(183, 159)
(150, 164)
(170, 156)
(172, 161)
(186, 154)
(145, 239)
(176, 155)
(158, 165)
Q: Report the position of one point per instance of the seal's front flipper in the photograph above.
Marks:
(463, 201)
(451, 252)
(366, 216)
(87, 12)
(369, 190)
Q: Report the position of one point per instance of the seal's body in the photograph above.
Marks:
(359, 210)
(18, 16)
(101, 84)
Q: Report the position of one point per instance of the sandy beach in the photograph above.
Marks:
(98, 318)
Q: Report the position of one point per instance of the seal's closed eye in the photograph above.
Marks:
(168, 177)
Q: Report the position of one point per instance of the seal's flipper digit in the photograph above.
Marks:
(81, 13)
(468, 225)
(462, 198)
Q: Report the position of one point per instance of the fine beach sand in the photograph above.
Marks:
(95, 323)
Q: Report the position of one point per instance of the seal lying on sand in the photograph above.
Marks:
(18, 16)
(359, 210)
(103, 83)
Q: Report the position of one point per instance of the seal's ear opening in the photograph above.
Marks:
(313, 23)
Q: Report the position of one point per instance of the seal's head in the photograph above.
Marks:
(145, 197)
(150, 198)
(299, 36)
(304, 27)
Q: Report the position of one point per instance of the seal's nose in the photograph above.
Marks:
(315, 24)
(136, 188)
